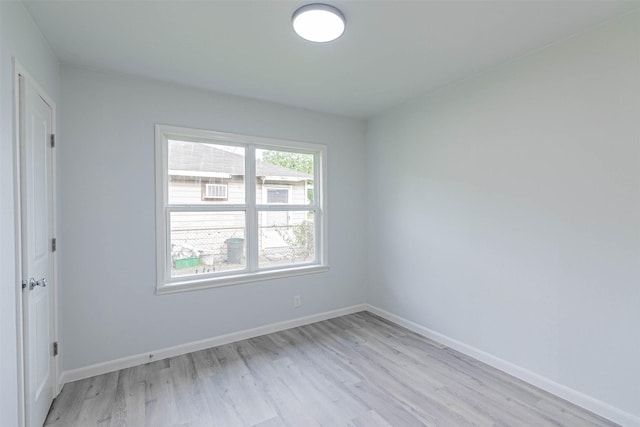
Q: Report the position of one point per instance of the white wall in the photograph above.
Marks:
(505, 212)
(107, 208)
(19, 38)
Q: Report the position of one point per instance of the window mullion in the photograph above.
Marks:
(167, 243)
(206, 208)
(319, 200)
(286, 207)
(252, 213)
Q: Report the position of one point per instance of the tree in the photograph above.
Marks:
(296, 161)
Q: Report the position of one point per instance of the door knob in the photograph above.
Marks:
(33, 283)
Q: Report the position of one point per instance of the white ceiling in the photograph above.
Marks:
(391, 50)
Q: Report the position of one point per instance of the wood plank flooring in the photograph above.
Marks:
(356, 370)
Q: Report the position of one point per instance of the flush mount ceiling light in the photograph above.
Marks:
(318, 22)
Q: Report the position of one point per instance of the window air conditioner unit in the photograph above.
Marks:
(215, 191)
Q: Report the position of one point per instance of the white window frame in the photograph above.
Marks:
(165, 283)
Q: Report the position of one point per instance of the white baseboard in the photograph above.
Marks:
(596, 406)
(587, 402)
(139, 359)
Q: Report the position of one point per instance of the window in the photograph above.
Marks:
(234, 208)
(277, 195)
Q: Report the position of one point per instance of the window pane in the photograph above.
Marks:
(277, 195)
(284, 170)
(207, 242)
(285, 237)
(205, 173)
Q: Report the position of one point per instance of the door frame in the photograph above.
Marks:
(20, 71)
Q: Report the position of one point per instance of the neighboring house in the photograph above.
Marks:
(208, 174)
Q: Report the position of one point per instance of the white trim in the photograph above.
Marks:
(283, 178)
(234, 278)
(596, 406)
(252, 271)
(193, 134)
(587, 402)
(321, 171)
(161, 175)
(19, 70)
(251, 219)
(284, 207)
(139, 359)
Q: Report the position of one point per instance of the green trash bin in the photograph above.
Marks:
(235, 250)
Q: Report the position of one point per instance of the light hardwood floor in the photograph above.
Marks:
(356, 370)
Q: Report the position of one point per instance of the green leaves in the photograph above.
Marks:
(296, 161)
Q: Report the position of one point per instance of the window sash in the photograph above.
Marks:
(250, 236)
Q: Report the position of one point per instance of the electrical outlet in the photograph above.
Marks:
(297, 301)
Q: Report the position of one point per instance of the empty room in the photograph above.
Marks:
(287, 213)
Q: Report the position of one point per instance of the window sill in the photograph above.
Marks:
(193, 284)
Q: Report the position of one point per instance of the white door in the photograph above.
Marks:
(36, 189)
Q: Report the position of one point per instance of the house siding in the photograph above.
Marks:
(205, 234)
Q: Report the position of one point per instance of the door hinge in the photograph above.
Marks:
(53, 140)
(53, 244)
(55, 348)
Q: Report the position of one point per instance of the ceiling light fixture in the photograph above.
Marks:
(318, 22)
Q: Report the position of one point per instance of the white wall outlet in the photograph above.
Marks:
(297, 301)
